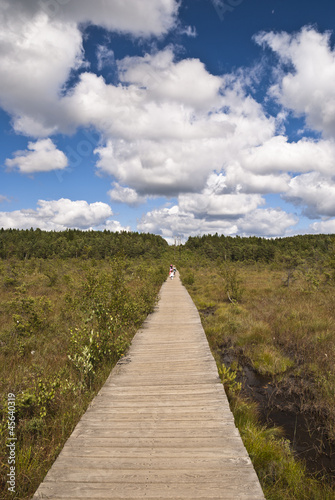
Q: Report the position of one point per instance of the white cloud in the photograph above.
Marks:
(186, 82)
(325, 226)
(173, 222)
(58, 215)
(75, 213)
(40, 44)
(144, 18)
(168, 127)
(36, 58)
(126, 195)
(114, 226)
(314, 192)
(215, 202)
(130, 113)
(160, 145)
(266, 222)
(241, 180)
(308, 89)
(41, 156)
(162, 168)
(279, 155)
(215, 209)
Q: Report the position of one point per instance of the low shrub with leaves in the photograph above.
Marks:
(228, 377)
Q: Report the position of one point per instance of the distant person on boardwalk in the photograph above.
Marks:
(171, 273)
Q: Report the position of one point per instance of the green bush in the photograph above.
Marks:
(188, 278)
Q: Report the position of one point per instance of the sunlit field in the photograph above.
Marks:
(268, 309)
(64, 325)
(272, 331)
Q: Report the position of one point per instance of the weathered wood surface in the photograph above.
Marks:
(160, 427)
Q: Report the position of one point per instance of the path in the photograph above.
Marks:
(161, 427)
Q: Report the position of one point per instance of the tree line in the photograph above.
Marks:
(74, 243)
(255, 249)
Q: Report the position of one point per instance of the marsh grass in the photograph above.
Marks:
(41, 303)
(285, 333)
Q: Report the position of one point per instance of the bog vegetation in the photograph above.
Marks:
(70, 304)
(71, 301)
(268, 309)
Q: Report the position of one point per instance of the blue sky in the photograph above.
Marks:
(172, 117)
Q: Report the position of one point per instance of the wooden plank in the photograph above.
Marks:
(149, 474)
(177, 454)
(163, 397)
(205, 491)
(149, 442)
(164, 410)
(178, 390)
(144, 382)
(161, 427)
(139, 403)
(151, 431)
(166, 425)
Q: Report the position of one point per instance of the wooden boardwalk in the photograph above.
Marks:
(161, 427)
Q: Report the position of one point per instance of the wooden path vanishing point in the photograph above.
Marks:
(161, 427)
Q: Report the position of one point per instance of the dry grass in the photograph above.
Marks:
(287, 335)
(41, 303)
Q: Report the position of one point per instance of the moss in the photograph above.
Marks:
(267, 360)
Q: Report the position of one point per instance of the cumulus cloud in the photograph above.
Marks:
(40, 44)
(126, 195)
(161, 168)
(168, 126)
(324, 226)
(307, 89)
(216, 209)
(128, 112)
(219, 206)
(267, 222)
(241, 180)
(277, 155)
(41, 156)
(215, 202)
(186, 82)
(172, 221)
(36, 58)
(145, 18)
(161, 141)
(114, 226)
(58, 215)
(314, 192)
